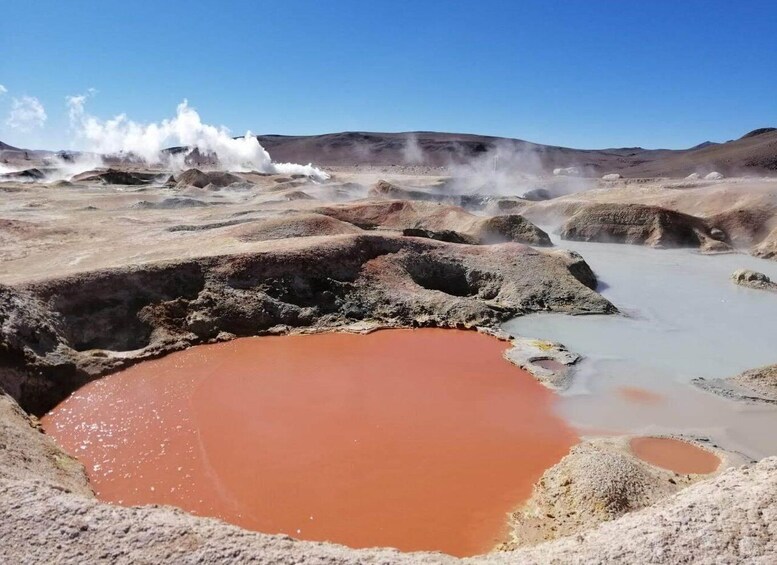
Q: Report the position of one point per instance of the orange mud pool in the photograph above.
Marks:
(675, 455)
(417, 439)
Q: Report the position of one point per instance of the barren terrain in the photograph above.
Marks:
(113, 267)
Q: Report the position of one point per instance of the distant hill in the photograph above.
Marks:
(758, 131)
(753, 153)
(756, 152)
(6, 147)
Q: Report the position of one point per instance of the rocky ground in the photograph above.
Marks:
(600, 480)
(755, 385)
(96, 275)
(714, 215)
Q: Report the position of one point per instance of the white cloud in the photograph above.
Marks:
(27, 113)
(3, 90)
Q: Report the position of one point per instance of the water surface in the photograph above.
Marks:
(683, 318)
(417, 439)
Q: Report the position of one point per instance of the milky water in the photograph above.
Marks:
(682, 318)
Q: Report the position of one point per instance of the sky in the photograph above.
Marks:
(590, 74)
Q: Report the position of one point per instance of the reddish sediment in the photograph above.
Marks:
(675, 455)
(639, 395)
(417, 439)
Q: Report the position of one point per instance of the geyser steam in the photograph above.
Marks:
(121, 135)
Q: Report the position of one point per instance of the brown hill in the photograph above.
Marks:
(756, 153)
(6, 147)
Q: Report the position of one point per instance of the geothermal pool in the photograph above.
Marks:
(683, 318)
(675, 455)
(417, 439)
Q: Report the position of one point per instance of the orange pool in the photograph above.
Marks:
(417, 439)
(674, 455)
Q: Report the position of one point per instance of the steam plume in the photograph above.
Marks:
(120, 135)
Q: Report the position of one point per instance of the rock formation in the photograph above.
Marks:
(767, 248)
(753, 279)
(642, 225)
(116, 176)
(403, 215)
(58, 334)
(199, 179)
(597, 482)
(753, 385)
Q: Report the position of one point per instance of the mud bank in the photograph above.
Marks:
(59, 334)
(416, 439)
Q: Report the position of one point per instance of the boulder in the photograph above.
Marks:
(512, 227)
(714, 175)
(753, 279)
(611, 177)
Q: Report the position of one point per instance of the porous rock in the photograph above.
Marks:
(58, 334)
(753, 279)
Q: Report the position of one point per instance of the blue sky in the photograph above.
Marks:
(656, 73)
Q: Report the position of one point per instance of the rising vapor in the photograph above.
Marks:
(120, 135)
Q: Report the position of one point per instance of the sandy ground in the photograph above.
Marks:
(51, 230)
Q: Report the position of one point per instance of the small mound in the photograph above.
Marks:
(298, 195)
(199, 179)
(384, 189)
(116, 176)
(597, 482)
(501, 229)
(304, 225)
